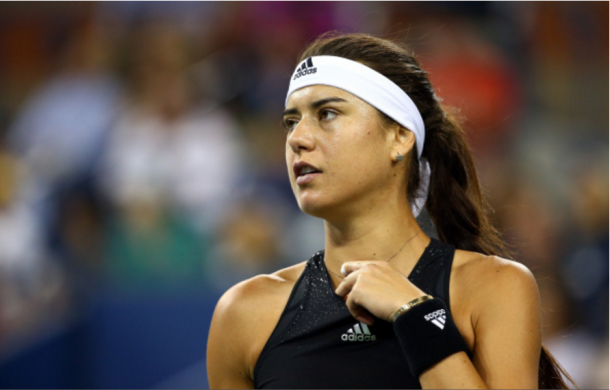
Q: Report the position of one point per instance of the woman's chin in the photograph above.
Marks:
(310, 209)
(314, 208)
(328, 206)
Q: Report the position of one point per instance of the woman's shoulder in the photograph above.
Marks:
(477, 268)
(259, 295)
(252, 308)
(489, 280)
(245, 317)
(262, 287)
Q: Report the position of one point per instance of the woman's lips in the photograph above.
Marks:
(307, 178)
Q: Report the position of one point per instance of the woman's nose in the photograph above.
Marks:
(301, 137)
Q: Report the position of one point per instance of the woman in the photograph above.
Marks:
(372, 310)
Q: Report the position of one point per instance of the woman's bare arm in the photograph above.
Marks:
(507, 326)
(226, 354)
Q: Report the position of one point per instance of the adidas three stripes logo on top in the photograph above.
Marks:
(358, 332)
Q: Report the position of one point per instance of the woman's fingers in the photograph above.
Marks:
(346, 285)
(374, 289)
(352, 266)
(359, 312)
(353, 270)
(356, 310)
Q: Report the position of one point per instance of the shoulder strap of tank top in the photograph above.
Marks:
(433, 271)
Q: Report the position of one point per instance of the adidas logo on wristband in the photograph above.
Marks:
(437, 317)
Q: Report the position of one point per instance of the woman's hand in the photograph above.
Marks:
(375, 287)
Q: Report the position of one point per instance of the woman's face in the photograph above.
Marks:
(339, 158)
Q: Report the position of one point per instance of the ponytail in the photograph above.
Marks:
(459, 211)
(455, 203)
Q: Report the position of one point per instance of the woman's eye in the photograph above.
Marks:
(327, 115)
(290, 124)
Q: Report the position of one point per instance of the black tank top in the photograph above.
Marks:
(318, 344)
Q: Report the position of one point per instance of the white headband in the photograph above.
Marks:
(375, 89)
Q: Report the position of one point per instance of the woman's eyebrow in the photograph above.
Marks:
(322, 102)
(316, 104)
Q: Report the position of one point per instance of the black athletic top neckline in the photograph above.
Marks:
(415, 267)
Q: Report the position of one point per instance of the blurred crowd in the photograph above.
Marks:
(141, 147)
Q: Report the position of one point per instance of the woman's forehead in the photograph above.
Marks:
(313, 93)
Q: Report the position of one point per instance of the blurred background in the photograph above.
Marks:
(142, 168)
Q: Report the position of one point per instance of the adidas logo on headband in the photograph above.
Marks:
(305, 69)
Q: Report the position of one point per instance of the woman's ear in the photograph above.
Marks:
(402, 142)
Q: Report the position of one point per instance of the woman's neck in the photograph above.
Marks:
(377, 235)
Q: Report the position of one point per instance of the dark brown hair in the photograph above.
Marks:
(455, 202)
